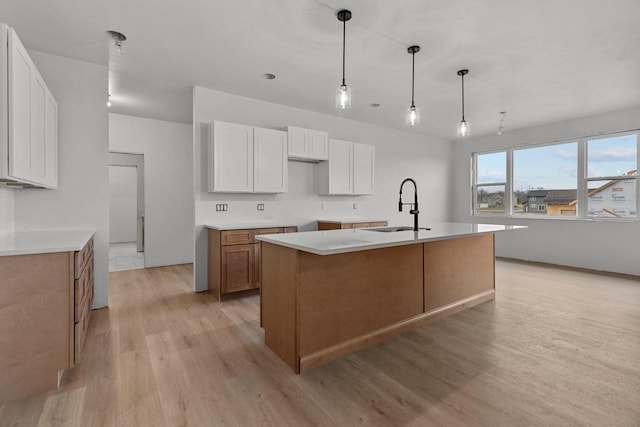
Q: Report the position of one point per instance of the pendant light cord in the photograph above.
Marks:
(463, 97)
(413, 73)
(344, 35)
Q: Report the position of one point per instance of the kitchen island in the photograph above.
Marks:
(326, 294)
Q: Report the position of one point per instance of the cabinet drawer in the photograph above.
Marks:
(80, 332)
(83, 288)
(237, 237)
(260, 231)
(82, 257)
(290, 230)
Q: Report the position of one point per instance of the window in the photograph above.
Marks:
(593, 177)
(490, 183)
(612, 171)
(546, 175)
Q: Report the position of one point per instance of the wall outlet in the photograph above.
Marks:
(355, 206)
(222, 207)
(260, 206)
(324, 206)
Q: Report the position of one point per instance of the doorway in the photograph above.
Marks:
(126, 211)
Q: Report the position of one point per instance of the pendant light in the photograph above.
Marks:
(463, 126)
(413, 113)
(343, 93)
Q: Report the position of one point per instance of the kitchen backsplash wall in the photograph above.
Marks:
(399, 154)
(7, 210)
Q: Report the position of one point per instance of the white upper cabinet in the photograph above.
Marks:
(244, 159)
(349, 171)
(270, 171)
(231, 158)
(307, 144)
(28, 142)
(364, 159)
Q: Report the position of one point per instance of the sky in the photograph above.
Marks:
(555, 166)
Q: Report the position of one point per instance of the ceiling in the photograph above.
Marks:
(541, 61)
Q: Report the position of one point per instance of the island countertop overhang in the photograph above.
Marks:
(334, 242)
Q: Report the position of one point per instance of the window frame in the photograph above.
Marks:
(582, 179)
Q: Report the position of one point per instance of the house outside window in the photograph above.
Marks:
(590, 177)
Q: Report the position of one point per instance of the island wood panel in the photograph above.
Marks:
(36, 322)
(278, 302)
(458, 269)
(341, 297)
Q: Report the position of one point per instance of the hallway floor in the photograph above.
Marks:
(124, 256)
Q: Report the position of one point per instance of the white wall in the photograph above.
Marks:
(82, 197)
(399, 154)
(7, 211)
(594, 244)
(123, 204)
(168, 164)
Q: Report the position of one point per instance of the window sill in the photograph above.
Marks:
(556, 218)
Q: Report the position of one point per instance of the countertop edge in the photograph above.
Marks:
(84, 235)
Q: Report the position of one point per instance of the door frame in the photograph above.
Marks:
(134, 160)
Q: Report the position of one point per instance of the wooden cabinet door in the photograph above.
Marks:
(237, 268)
(270, 163)
(231, 158)
(363, 168)
(340, 167)
(318, 145)
(298, 140)
(256, 265)
(20, 78)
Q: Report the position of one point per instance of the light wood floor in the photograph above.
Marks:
(556, 347)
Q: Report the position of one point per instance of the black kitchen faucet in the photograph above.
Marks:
(415, 210)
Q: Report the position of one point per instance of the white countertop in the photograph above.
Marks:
(333, 242)
(247, 225)
(352, 220)
(45, 241)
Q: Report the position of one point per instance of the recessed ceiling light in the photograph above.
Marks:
(374, 105)
(269, 76)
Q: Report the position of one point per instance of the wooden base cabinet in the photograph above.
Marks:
(346, 225)
(45, 307)
(234, 259)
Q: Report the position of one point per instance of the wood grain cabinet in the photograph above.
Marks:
(234, 259)
(28, 119)
(337, 225)
(46, 301)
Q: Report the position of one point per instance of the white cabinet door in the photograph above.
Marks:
(340, 167)
(364, 157)
(51, 142)
(307, 144)
(231, 158)
(20, 79)
(298, 142)
(39, 93)
(269, 161)
(318, 145)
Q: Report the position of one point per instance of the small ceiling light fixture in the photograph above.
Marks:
(501, 125)
(463, 126)
(269, 76)
(109, 100)
(117, 38)
(412, 117)
(343, 93)
(374, 105)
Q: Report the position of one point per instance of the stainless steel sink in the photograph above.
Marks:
(393, 229)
